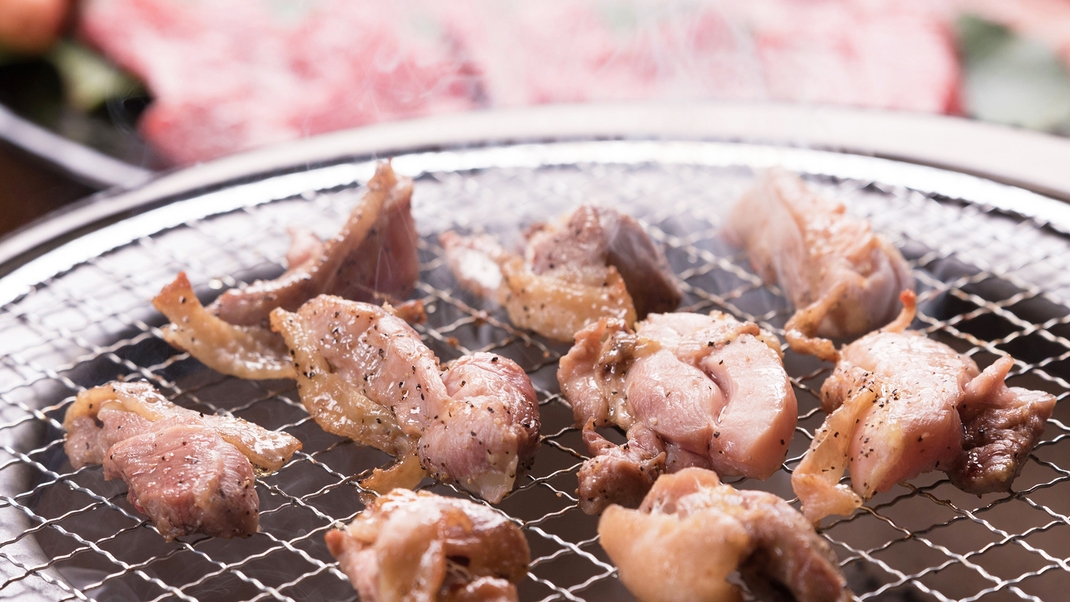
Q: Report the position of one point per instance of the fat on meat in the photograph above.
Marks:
(843, 279)
(901, 404)
(692, 532)
(424, 547)
(188, 472)
(373, 257)
(364, 373)
(595, 262)
(688, 390)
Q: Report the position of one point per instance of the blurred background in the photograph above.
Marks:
(159, 84)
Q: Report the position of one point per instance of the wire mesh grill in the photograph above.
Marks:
(989, 283)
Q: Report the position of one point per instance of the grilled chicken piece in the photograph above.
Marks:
(187, 479)
(901, 404)
(691, 532)
(365, 374)
(267, 450)
(689, 390)
(373, 257)
(843, 279)
(190, 473)
(595, 263)
(424, 547)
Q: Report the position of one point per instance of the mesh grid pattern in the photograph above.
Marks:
(989, 284)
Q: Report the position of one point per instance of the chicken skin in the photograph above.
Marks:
(594, 263)
(688, 389)
(843, 279)
(373, 257)
(364, 373)
(901, 404)
(424, 547)
(691, 532)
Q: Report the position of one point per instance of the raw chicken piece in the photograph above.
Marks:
(424, 547)
(691, 532)
(190, 473)
(365, 374)
(689, 390)
(267, 450)
(373, 257)
(843, 279)
(901, 404)
(595, 263)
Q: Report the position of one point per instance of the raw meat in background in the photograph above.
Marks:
(258, 71)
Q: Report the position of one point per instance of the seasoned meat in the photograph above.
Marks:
(365, 374)
(901, 404)
(187, 479)
(843, 279)
(689, 390)
(373, 257)
(267, 450)
(190, 473)
(595, 263)
(691, 532)
(425, 547)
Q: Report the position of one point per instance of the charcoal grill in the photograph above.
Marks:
(991, 261)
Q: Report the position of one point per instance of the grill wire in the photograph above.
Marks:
(989, 283)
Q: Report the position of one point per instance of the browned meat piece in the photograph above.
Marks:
(690, 390)
(190, 473)
(425, 547)
(365, 374)
(691, 532)
(595, 263)
(901, 404)
(267, 450)
(242, 351)
(843, 279)
(187, 479)
(1001, 426)
(373, 257)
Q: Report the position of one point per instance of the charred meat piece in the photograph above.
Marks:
(188, 472)
(365, 374)
(373, 257)
(420, 546)
(901, 404)
(843, 279)
(691, 532)
(595, 263)
(689, 390)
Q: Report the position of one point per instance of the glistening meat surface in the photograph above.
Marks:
(901, 404)
(364, 373)
(689, 390)
(843, 279)
(425, 547)
(691, 533)
(373, 257)
(190, 473)
(594, 263)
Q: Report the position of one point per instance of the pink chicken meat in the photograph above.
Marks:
(373, 257)
(364, 373)
(190, 473)
(901, 404)
(692, 532)
(595, 262)
(688, 389)
(843, 279)
(424, 547)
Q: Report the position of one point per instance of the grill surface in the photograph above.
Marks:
(990, 282)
